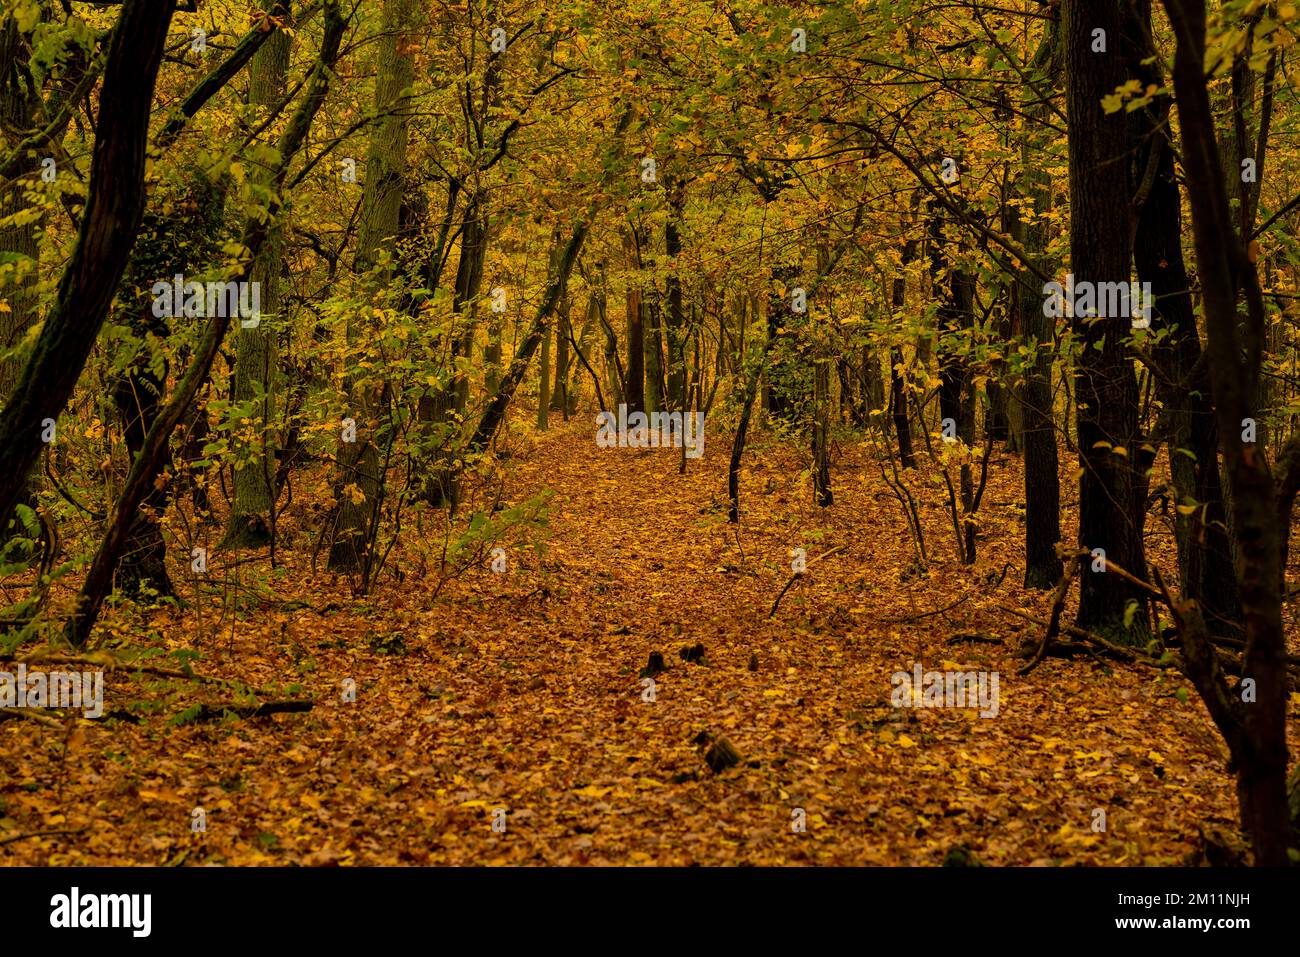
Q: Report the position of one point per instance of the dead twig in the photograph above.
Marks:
(31, 716)
(1082, 634)
(1137, 582)
(1054, 624)
(23, 837)
(976, 638)
(797, 575)
(112, 663)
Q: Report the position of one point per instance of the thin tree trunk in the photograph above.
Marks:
(898, 402)
(257, 358)
(1042, 482)
(1205, 567)
(544, 385)
(360, 473)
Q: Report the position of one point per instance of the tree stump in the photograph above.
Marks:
(719, 753)
(654, 666)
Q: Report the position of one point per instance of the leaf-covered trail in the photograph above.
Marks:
(521, 691)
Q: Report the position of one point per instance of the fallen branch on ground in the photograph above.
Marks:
(1053, 625)
(31, 716)
(111, 663)
(23, 837)
(949, 607)
(214, 712)
(1128, 654)
(797, 575)
(977, 638)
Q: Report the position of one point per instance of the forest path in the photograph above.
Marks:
(521, 691)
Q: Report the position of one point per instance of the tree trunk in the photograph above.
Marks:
(820, 427)
(495, 412)
(360, 480)
(257, 358)
(654, 366)
(898, 403)
(114, 206)
(780, 372)
(18, 109)
(544, 385)
(676, 325)
(1205, 568)
(560, 390)
(1042, 482)
(1106, 391)
(1255, 726)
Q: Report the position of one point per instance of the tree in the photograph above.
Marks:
(1106, 395)
(1042, 482)
(361, 478)
(148, 464)
(114, 207)
(1252, 718)
(257, 358)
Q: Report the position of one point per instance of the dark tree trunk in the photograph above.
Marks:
(820, 427)
(781, 371)
(898, 403)
(560, 390)
(360, 476)
(635, 354)
(955, 290)
(257, 366)
(738, 442)
(1205, 568)
(636, 372)
(1254, 727)
(148, 464)
(138, 394)
(1042, 482)
(114, 206)
(654, 356)
(1106, 391)
(676, 319)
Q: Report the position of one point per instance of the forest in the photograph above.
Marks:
(491, 432)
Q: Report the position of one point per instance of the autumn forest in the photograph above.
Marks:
(487, 432)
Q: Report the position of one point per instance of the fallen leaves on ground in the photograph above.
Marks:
(505, 721)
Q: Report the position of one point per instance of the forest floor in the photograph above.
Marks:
(522, 691)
